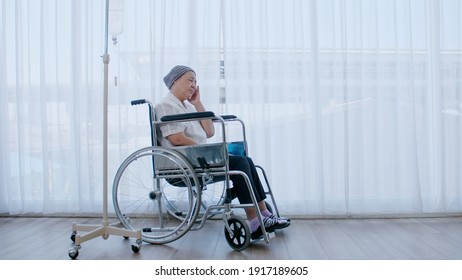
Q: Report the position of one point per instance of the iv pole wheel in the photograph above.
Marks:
(73, 253)
(137, 246)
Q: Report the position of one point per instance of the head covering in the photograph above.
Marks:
(175, 74)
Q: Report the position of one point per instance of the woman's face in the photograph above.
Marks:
(185, 86)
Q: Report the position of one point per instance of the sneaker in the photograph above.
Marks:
(282, 218)
(257, 234)
(285, 218)
(271, 224)
(281, 222)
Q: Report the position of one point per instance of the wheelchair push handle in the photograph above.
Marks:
(138, 102)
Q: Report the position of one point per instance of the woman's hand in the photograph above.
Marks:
(196, 97)
(207, 125)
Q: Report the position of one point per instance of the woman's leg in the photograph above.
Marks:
(256, 179)
(241, 163)
(246, 165)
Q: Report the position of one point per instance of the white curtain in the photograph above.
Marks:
(353, 107)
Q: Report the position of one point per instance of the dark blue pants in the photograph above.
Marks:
(240, 189)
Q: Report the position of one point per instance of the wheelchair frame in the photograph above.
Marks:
(172, 165)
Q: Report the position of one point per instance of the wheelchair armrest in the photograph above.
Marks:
(228, 117)
(188, 116)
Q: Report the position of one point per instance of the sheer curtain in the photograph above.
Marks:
(355, 106)
(51, 74)
(352, 107)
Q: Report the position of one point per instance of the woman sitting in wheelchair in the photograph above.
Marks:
(184, 97)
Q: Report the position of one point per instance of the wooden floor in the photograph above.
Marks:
(306, 239)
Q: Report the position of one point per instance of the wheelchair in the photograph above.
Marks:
(166, 192)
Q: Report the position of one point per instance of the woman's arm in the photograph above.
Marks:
(180, 139)
(207, 125)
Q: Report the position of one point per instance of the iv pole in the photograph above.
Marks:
(105, 229)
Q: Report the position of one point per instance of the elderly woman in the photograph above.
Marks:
(185, 97)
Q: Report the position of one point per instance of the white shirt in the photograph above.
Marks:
(171, 105)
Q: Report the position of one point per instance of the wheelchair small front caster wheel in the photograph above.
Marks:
(237, 233)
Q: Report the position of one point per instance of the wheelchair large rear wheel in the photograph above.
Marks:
(138, 194)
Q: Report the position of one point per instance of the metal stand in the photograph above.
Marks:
(105, 229)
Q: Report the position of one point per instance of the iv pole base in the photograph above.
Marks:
(94, 231)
